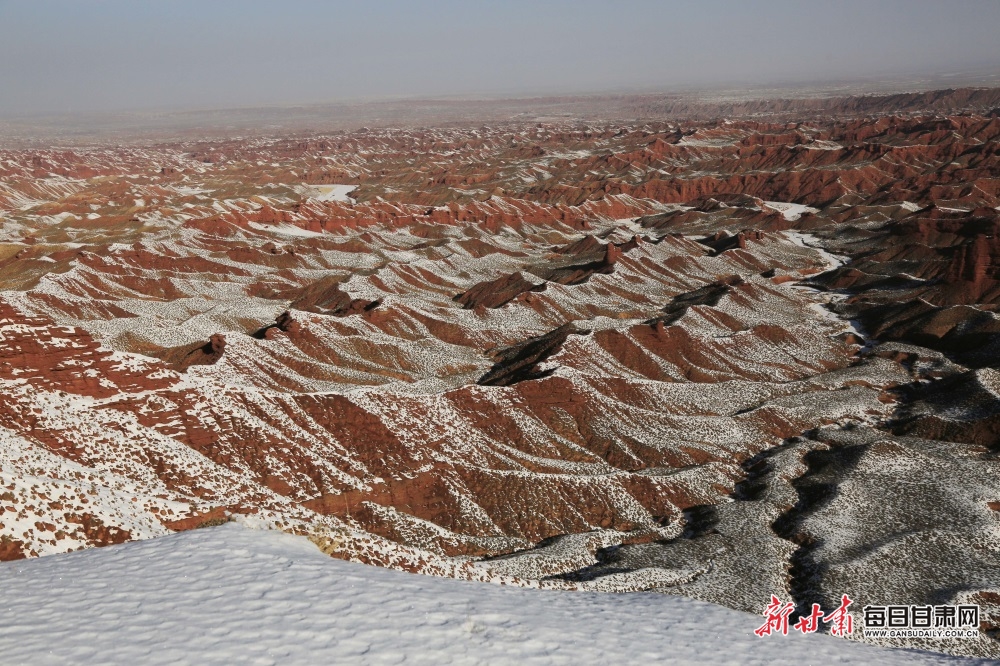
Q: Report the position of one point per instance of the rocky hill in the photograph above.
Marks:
(721, 359)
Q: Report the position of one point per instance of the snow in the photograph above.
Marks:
(819, 144)
(333, 192)
(790, 211)
(238, 595)
(803, 239)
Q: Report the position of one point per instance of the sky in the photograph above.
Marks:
(73, 56)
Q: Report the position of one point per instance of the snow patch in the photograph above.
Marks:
(331, 192)
(220, 595)
(790, 211)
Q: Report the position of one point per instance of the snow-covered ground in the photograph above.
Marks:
(790, 211)
(333, 192)
(235, 595)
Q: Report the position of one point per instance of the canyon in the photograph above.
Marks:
(721, 352)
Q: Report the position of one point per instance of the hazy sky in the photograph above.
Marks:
(60, 56)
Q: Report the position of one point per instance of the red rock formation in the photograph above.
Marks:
(587, 383)
(496, 293)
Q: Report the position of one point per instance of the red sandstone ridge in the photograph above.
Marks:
(185, 356)
(615, 356)
(63, 359)
(976, 267)
(284, 323)
(11, 549)
(496, 293)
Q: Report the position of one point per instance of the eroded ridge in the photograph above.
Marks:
(718, 359)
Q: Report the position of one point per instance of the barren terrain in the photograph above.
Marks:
(719, 358)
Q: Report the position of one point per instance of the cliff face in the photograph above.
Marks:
(667, 355)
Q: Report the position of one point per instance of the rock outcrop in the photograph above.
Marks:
(725, 359)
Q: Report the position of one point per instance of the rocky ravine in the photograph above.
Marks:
(716, 359)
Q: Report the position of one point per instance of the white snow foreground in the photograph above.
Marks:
(231, 595)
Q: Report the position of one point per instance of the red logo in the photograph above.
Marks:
(841, 622)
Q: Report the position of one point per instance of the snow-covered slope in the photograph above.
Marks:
(234, 595)
(719, 360)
